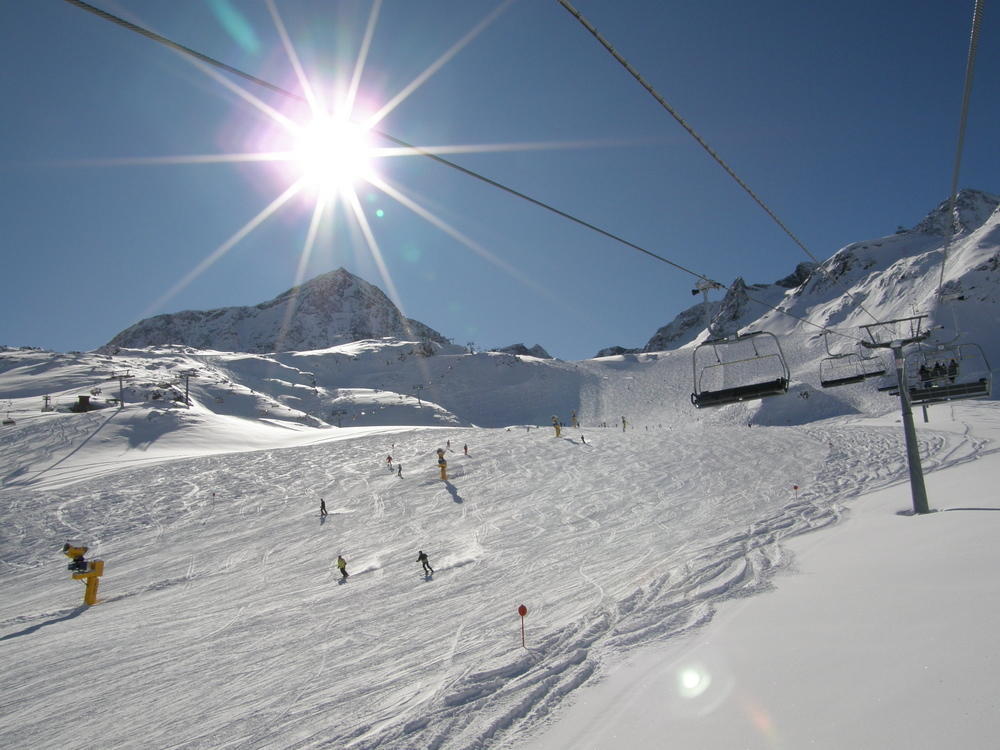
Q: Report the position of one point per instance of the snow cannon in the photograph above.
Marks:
(442, 465)
(89, 572)
(76, 554)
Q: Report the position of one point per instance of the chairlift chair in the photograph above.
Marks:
(746, 367)
(847, 368)
(840, 369)
(931, 379)
(873, 366)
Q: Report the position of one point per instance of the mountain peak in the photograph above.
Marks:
(972, 209)
(328, 310)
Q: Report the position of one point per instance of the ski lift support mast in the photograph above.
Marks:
(187, 375)
(917, 489)
(704, 286)
(121, 376)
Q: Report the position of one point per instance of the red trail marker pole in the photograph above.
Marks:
(522, 610)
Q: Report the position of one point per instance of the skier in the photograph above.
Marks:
(623, 424)
(399, 470)
(466, 449)
(422, 558)
(925, 376)
(342, 564)
(322, 507)
(388, 462)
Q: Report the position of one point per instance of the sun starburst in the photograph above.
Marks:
(334, 155)
(326, 154)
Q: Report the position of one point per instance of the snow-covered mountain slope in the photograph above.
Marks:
(883, 279)
(335, 308)
(371, 384)
(740, 306)
(900, 276)
(536, 351)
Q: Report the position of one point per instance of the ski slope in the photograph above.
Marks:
(223, 623)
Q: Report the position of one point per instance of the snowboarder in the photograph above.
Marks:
(322, 507)
(342, 564)
(422, 558)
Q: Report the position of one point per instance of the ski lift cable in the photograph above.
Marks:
(694, 134)
(970, 65)
(416, 149)
(181, 48)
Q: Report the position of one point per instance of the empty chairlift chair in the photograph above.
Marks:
(948, 372)
(845, 369)
(739, 368)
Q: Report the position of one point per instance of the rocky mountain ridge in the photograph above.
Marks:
(329, 310)
(857, 276)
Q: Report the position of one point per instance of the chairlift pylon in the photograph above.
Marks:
(746, 367)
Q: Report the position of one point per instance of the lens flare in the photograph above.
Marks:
(693, 681)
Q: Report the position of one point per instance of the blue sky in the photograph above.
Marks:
(842, 116)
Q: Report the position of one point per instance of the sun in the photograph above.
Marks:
(333, 155)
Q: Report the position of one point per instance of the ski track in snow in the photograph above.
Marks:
(236, 594)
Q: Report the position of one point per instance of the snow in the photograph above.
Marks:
(222, 622)
(879, 634)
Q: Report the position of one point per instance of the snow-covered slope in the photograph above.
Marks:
(521, 349)
(883, 279)
(335, 308)
(222, 623)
